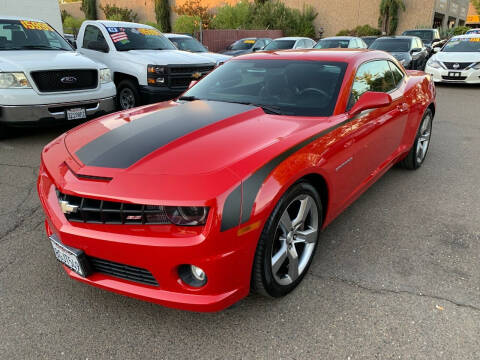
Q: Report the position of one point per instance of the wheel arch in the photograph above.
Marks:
(120, 76)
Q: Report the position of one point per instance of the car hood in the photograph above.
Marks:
(235, 52)
(214, 56)
(181, 153)
(31, 60)
(163, 57)
(457, 57)
(400, 55)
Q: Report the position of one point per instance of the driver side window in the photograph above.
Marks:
(92, 33)
(371, 76)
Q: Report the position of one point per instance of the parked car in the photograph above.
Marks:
(44, 81)
(344, 42)
(146, 66)
(198, 201)
(473, 31)
(458, 61)
(247, 45)
(430, 38)
(71, 39)
(368, 40)
(285, 43)
(408, 50)
(188, 43)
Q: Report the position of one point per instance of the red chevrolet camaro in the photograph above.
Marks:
(193, 203)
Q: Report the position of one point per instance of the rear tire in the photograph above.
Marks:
(417, 154)
(288, 242)
(128, 96)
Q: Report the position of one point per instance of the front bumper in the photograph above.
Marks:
(18, 115)
(154, 94)
(470, 76)
(225, 257)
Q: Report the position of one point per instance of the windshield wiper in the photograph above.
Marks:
(42, 47)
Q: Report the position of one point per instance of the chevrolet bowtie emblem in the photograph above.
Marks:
(197, 75)
(68, 208)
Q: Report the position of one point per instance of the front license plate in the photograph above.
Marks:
(454, 74)
(68, 256)
(76, 114)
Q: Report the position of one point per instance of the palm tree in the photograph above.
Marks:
(388, 20)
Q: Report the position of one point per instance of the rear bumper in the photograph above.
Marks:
(153, 94)
(160, 249)
(18, 115)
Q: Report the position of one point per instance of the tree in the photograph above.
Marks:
(388, 20)
(476, 5)
(162, 13)
(196, 9)
(89, 8)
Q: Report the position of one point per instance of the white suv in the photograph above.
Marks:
(43, 80)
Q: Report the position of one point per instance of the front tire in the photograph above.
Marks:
(128, 96)
(288, 242)
(417, 154)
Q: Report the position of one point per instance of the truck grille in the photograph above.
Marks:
(95, 211)
(65, 80)
(122, 271)
(450, 65)
(180, 76)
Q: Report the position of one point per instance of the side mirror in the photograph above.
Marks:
(415, 50)
(98, 46)
(370, 100)
(192, 83)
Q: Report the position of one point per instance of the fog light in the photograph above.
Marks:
(192, 275)
(160, 80)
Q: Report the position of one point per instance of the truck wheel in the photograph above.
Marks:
(127, 95)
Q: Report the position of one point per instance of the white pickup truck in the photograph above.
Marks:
(146, 65)
(43, 80)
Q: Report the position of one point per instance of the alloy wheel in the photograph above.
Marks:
(295, 239)
(127, 98)
(424, 138)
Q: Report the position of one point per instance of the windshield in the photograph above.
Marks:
(425, 35)
(129, 38)
(243, 44)
(332, 44)
(280, 44)
(392, 45)
(462, 45)
(188, 44)
(298, 88)
(30, 35)
(473, 31)
(369, 41)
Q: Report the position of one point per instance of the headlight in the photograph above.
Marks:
(434, 64)
(156, 69)
(476, 66)
(105, 75)
(187, 215)
(14, 80)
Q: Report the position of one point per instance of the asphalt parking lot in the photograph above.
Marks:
(395, 276)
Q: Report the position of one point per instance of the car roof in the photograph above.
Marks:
(334, 55)
(112, 23)
(292, 38)
(400, 37)
(370, 37)
(339, 38)
(466, 36)
(432, 30)
(19, 18)
(168, 35)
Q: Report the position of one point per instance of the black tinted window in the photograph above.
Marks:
(392, 45)
(298, 88)
(280, 44)
(92, 33)
(371, 76)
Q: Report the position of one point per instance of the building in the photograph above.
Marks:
(333, 16)
(473, 17)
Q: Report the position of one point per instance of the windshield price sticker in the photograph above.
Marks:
(475, 39)
(112, 30)
(249, 42)
(35, 25)
(149, 32)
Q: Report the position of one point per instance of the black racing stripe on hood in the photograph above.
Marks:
(251, 186)
(124, 146)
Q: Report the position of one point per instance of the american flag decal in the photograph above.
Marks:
(119, 36)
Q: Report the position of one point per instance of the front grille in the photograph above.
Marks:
(51, 81)
(95, 211)
(461, 66)
(122, 271)
(454, 78)
(179, 77)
